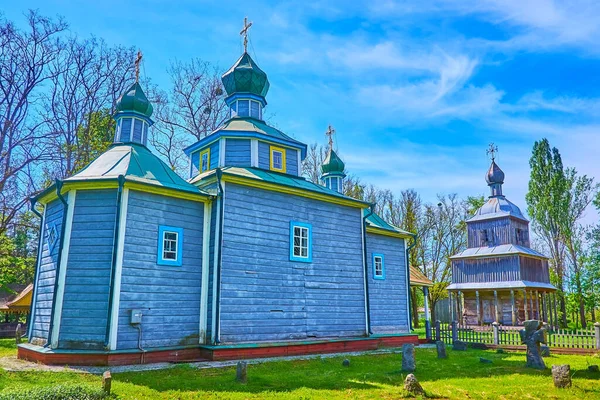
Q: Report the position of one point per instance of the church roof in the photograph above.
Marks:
(137, 164)
(500, 285)
(245, 77)
(502, 250)
(375, 221)
(292, 181)
(246, 127)
(494, 174)
(497, 207)
(332, 163)
(134, 100)
(418, 278)
(15, 298)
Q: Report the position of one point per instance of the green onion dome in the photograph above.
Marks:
(134, 100)
(245, 77)
(332, 164)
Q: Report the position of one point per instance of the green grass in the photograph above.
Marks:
(368, 377)
(8, 347)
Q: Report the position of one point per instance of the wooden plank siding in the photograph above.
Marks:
(212, 253)
(500, 231)
(168, 296)
(264, 159)
(291, 162)
(214, 155)
(87, 283)
(534, 269)
(47, 273)
(490, 269)
(237, 153)
(267, 297)
(388, 297)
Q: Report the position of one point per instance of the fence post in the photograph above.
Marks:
(438, 335)
(597, 328)
(496, 328)
(454, 331)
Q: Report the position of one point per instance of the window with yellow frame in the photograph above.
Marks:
(205, 160)
(277, 156)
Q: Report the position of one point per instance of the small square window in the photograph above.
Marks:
(52, 237)
(170, 245)
(243, 108)
(300, 242)
(255, 109)
(378, 267)
(205, 160)
(277, 159)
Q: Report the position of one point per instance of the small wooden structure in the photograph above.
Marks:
(499, 278)
(14, 299)
(419, 279)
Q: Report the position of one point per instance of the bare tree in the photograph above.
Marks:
(25, 60)
(311, 166)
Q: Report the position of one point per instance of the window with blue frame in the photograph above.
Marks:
(378, 266)
(170, 245)
(255, 109)
(243, 108)
(205, 160)
(300, 241)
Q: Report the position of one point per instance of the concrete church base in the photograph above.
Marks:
(223, 352)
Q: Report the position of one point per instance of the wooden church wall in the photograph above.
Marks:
(263, 155)
(214, 154)
(211, 262)
(85, 302)
(46, 273)
(483, 270)
(388, 297)
(237, 152)
(291, 158)
(500, 231)
(264, 295)
(168, 296)
(534, 269)
(291, 161)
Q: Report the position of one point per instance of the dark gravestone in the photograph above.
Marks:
(500, 351)
(346, 363)
(561, 375)
(484, 360)
(459, 345)
(413, 386)
(593, 368)
(242, 372)
(441, 349)
(18, 333)
(545, 351)
(408, 357)
(106, 382)
(532, 335)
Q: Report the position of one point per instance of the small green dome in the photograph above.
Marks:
(245, 77)
(332, 164)
(134, 100)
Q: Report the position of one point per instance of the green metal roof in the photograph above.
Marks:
(134, 100)
(137, 164)
(332, 164)
(376, 221)
(245, 77)
(292, 181)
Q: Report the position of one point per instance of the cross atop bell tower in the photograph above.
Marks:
(329, 133)
(138, 60)
(491, 151)
(244, 33)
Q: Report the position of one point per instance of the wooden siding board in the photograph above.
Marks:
(263, 288)
(291, 161)
(264, 158)
(237, 153)
(47, 272)
(80, 327)
(387, 297)
(489, 269)
(214, 155)
(159, 290)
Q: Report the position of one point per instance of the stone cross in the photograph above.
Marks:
(244, 33)
(532, 335)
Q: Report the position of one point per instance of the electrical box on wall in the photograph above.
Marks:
(136, 317)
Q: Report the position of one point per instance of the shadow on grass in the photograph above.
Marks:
(365, 372)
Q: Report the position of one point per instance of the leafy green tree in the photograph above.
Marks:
(94, 137)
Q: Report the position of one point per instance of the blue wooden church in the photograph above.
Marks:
(246, 258)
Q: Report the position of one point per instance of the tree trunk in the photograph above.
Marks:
(432, 311)
(414, 306)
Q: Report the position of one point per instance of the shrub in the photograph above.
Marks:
(55, 392)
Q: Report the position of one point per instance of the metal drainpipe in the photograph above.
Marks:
(408, 249)
(113, 268)
(59, 185)
(216, 304)
(366, 267)
(35, 270)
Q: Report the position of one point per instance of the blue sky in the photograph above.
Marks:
(415, 90)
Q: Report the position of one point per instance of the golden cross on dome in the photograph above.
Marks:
(138, 60)
(329, 134)
(244, 32)
(492, 150)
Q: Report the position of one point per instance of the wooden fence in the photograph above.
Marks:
(585, 339)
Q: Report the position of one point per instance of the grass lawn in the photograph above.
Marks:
(368, 377)
(8, 347)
